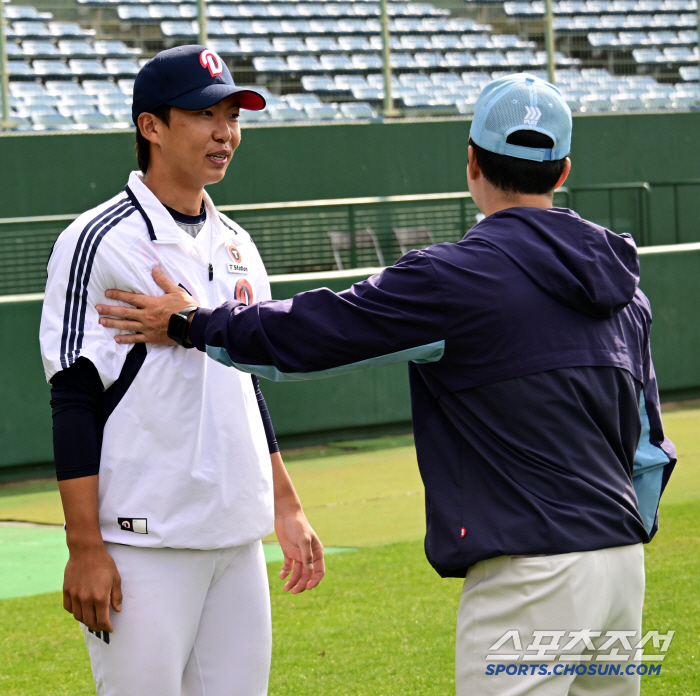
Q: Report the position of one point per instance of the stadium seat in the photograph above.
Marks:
(94, 120)
(366, 62)
(354, 44)
(336, 63)
(87, 68)
(321, 85)
(413, 238)
(284, 112)
(76, 49)
(304, 64)
(275, 65)
(69, 29)
(53, 121)
(225, 47)
(38, 49)
(299, 101)
(321, 112)
(371, 94)
(321, 44)
(357, 110)
(286, 44)
(256, 47)
(121, 67)
(51, 68)
(115, 49)
(364, 239)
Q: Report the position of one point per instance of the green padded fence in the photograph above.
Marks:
(350, 405)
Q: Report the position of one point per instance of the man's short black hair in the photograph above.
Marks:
(515, 175)
(143, 146)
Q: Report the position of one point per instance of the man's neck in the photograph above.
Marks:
(519, 200)
(184, 199)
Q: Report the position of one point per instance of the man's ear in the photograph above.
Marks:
(149, 126)
(565, 173)
(473, 169)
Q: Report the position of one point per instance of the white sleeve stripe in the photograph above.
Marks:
(81, 267)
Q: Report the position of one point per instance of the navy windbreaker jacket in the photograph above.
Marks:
(535, 406)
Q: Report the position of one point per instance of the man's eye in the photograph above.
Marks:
(206, 113)
(235, 116)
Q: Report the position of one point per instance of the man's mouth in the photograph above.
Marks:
(219, 157)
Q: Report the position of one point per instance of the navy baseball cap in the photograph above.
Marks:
(522, 102)
(190, 78)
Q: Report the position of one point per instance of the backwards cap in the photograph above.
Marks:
(522, 102)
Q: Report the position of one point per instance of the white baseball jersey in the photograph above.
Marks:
(184, 460)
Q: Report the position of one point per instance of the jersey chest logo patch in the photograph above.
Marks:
(237, 266)
(138, 525)
(244, 292)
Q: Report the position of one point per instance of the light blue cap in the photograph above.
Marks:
(522, 102)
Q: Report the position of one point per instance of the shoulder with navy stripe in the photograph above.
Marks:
(86, 247)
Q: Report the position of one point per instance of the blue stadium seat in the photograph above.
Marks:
(274, 65)
(39, 49)
(299, 101)
(446, 42)
(69, 29)
(131, 13)
(51, 68)
(428, 60)
(180, 30)
(345, 83)
(357, 110)
(63, 88)
(237, 28)
(402, 61)
(284, 112)
(318, 84)
(321, 112)
(161, 12)
(286, 10)
(24, 89)
(354, 44)
(413, 42)
(121, 67)
(460, 60)
(126, 85)
(24, 12)
(115, 49)
(322, 44)
(333, 63)
(304, 64)
(76, 49)
(94, 120)
(78, 100)
(100, 87)
(30, 30)
(87, 68)
(229, 11)
(51, 122)
(225, 47)
(286, 44)
(256, 47)
(366, 62)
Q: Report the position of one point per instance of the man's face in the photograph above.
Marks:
(198, 145)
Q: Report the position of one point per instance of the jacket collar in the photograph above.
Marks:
(162, 229)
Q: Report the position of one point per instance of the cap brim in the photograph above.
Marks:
(204, 97)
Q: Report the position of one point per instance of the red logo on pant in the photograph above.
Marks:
(462, 533)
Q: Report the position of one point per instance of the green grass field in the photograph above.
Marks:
(382, 622)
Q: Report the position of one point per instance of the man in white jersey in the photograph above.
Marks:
(167, 462)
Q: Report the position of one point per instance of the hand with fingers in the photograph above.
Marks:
(148, 317)
(303, 552)
(91, 585)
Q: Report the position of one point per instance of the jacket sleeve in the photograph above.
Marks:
(395, 316)
(655, 456)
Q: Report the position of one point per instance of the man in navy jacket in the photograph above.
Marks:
(535, 406)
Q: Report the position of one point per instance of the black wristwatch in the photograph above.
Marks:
(179, 325)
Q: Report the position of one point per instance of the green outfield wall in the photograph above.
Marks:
(352, 405)
(61, 173)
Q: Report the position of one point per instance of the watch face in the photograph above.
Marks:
(177, 328)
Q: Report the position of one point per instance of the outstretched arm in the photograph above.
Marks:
(395, 316)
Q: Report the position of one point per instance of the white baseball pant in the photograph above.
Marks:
(193, 623)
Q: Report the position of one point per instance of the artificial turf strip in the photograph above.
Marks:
(380, 624)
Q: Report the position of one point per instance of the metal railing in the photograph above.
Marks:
(293, 237)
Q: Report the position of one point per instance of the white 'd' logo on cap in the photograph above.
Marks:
(532, 115)
(210, 60)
